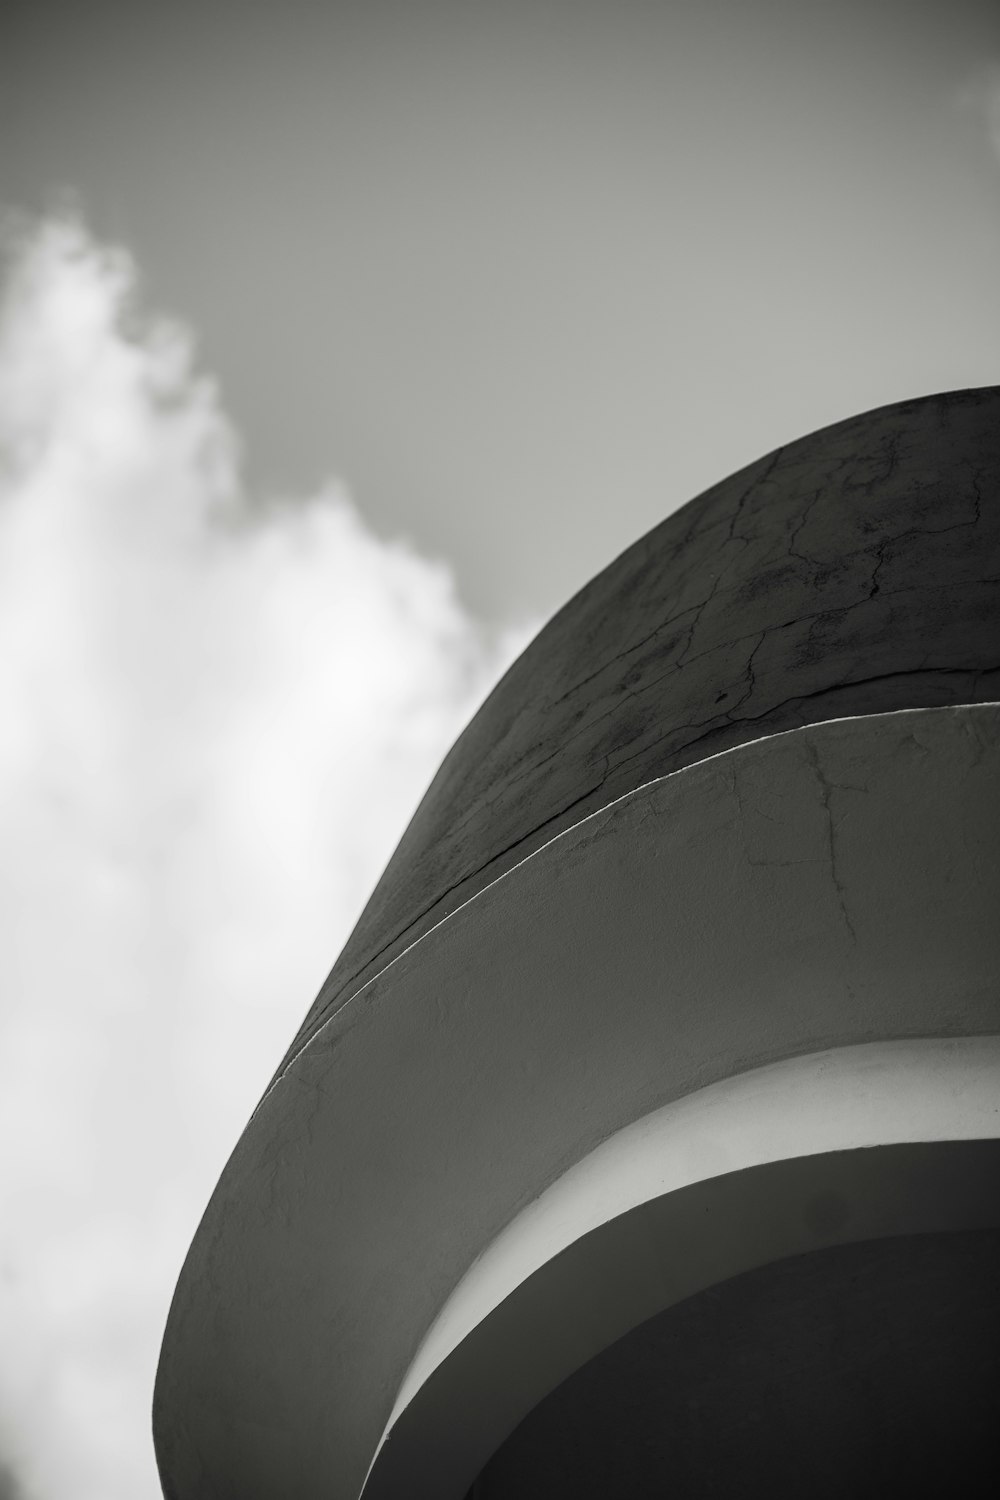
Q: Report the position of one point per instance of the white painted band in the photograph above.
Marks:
(876, 1094)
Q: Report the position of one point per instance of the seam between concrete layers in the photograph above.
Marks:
(322, 1010)
(616, 802)
(954, 1076)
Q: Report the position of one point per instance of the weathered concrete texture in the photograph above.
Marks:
(831, 886)
(855, 571)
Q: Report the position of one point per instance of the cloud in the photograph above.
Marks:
(215, 720)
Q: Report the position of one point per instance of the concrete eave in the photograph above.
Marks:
(827, 888)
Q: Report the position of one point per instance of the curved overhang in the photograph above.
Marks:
(858, 1144)
(853, 571)
(865, 1369)
(827, 894)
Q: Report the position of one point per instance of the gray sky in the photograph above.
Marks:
(529, 275)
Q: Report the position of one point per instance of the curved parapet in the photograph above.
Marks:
(850, 572)
(695, 930)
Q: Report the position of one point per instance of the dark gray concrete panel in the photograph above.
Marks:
(616, 1278)
(854, 571)
(831, 886)
(867, 1370)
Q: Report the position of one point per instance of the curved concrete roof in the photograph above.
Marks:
(831, 886)
(635, 875)
(852, 571)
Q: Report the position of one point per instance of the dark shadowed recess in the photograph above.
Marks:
(855, 571)
(870, 1369)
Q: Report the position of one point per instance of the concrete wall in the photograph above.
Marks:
(850, 572)
(736, 805)
(865, 1370)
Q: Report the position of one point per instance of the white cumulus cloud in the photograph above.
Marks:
(215, 719)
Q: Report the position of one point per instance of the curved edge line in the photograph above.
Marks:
(951, 708)
(837, 1071)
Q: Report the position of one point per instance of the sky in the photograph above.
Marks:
(530, 273)
(339, 344)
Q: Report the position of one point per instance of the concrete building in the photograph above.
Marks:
(644, 1138)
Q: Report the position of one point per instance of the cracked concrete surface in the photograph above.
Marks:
(827, 789)
(855, 571)
(736, 804)
(827, 887)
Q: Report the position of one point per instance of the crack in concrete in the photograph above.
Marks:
(827, 788)
(685, 743)
(803, 521)
(755, 483)
(751, 680)
(628, 651)
(829, 612)
(314, 1022)
(696, 611)
(684, 659)
(531, 767)
(914, 531)
(880, 551)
